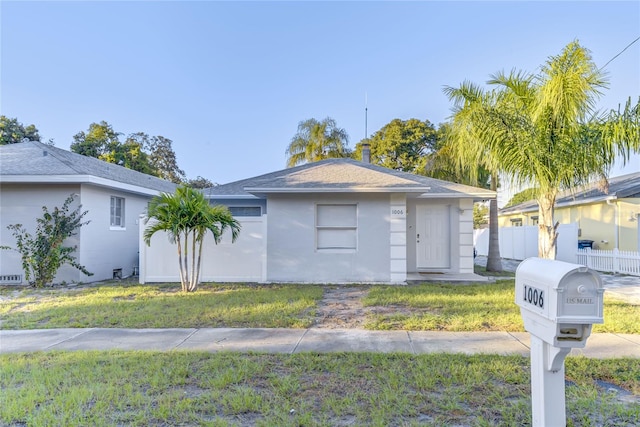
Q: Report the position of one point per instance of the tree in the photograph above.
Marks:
(100, 140)
(44, 253)
(199, 182)
(480, 215)
(152, 155)
(187, 215)
(12, 131)
(402, 145)
(161, 157)
(316, 140)
(543, 130)
(522, 196)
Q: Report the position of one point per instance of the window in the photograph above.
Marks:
(117, 212)
(245, 210)
(534, 220)
(516, 222)
(336, 227)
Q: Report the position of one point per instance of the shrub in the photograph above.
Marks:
(44, 253)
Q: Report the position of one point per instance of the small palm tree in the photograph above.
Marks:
(185, 215)
(316, 140)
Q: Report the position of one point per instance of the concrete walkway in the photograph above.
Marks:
(290, 341)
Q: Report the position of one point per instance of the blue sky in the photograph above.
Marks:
(228, 82)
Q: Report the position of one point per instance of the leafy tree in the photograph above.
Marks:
(199, 182)
(161, 157)
(480, 215)
(522, 196)
(186, 216)
(402, 145)
(543, 130)
(12, 131)
(152, 155)
(316, 140)
(100, 140)
(44, 253)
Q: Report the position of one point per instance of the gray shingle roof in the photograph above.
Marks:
(34, 159)
(341, 176)
(619, 187)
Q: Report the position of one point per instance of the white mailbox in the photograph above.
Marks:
(559, 301)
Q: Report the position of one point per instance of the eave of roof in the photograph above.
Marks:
(78, 179)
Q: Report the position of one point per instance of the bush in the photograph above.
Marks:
(44, 253)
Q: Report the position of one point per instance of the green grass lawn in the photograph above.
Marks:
(227, 389)
(474, 307)
(126, 305)
(428, 307)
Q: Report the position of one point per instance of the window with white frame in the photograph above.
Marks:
(336, 226)
(117, 212)
(516, 222)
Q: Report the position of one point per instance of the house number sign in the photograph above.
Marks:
(398, 212)
(533, 296)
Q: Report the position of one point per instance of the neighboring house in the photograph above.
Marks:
(341, 221)
(33, 175)
(609, 217)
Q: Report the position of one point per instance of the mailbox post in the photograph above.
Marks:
(559, 302)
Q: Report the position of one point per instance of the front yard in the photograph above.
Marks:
(338, 389)
(427, 307)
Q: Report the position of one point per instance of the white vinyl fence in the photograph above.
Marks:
(242, 261)
(615, 261)
(522, 242)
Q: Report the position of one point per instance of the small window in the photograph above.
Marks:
(117, 212)
(245, 210)
(336, 227)
(516, 222)
(534, 220)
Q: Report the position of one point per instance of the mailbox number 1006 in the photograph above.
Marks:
(534, 296)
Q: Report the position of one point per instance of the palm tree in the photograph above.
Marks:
(542, 130)
(316, 140)
(185, 215)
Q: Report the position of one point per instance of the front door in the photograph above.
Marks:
(433, 237)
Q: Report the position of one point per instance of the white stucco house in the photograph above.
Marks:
(33, 175)
(336, 221)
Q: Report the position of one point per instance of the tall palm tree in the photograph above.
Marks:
(542, 130)
(185, 215)
(316, 140)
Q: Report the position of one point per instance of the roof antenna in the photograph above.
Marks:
(365, 115)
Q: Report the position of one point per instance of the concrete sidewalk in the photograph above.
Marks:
(290, 341)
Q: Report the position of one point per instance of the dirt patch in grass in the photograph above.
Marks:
(341, 308)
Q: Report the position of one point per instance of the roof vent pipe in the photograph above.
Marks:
(366, 153)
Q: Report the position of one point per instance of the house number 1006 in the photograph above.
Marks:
(534, 296)
(397, 211)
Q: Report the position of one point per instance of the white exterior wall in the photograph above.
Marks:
(22, 204)
(100, 248)
(105, 248)
(242, 261)
(291, 248)
(465, 221)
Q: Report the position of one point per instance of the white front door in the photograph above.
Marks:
(433, 237)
